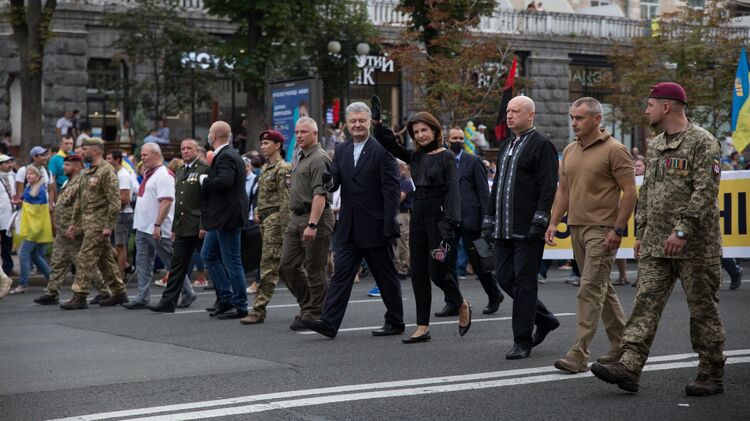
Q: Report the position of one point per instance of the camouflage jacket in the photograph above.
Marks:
(66, 202)
(273, 199)
(98, 202)
(680, 192)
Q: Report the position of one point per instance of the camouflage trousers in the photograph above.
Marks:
(269, 276)
(97, 253)
(701, 279)
(64, 254)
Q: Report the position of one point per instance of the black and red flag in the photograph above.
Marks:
(501, 127)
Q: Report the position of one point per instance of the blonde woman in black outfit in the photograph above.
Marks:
(434, 218)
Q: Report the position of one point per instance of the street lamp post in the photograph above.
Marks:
(334, 47)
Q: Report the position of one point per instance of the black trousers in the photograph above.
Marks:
(424, 236)
(182, 256)
(6, 247)
(380, 262)
(516, 267)
(487, 279)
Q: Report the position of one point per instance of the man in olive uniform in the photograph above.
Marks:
(186, 228)
(308, 234)
(677, 236)
(272, 213)
(65, 250)
(95, 214)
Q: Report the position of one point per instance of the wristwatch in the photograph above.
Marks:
(312, 225)
(680, 234)
(620, 232)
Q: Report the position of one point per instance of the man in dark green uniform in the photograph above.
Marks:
(187, 236)
(677, 236)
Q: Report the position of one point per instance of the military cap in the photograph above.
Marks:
(668, 90)
(73, 158)
(92, 141)
(274, 135)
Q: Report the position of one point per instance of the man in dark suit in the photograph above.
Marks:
(368, 177)
(223, 216)
(475, 193)
(186, 230)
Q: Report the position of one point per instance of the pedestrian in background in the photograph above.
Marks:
(128, 187)
(406, 200)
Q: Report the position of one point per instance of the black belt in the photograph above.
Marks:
(306, 210)
(429, 193)
(265, 213)
(404, 211)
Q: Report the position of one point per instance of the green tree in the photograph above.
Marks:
(156, 39)
(692, 47)
(457, 73)
(31, 23)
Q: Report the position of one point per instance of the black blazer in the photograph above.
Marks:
(474, 189)
(224, 199)
(369, 195)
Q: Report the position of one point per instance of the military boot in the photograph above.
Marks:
(704, 385)
(114, 300)
(617, 373)
(78, 302)
(47, 299)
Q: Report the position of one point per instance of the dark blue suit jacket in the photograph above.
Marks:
(369, 195)
(224, 199)
(474, 189)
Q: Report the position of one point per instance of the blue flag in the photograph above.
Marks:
(740, 105)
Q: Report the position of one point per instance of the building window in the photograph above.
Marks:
(102, 75)
(649, 9)
(696, 4)
(597, 3)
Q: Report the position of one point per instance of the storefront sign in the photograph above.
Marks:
(368, 65)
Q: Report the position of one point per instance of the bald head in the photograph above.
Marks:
(520, 114)
(219, 133)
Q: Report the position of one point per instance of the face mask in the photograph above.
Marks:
(456, 147)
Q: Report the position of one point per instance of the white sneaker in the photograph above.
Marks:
(161, 282)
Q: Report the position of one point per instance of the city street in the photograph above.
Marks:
(112, 363)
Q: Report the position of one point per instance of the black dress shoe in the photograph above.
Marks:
(389, 329)
(213, 306)
(518, 352)
(162, 307)
(232, 314)
(447, 311)
(221, 308)
(186, 301)
(463, 330)
(542, 331)
(417, 339)
(297, 325)
(134, 305)
(493, 305)
(322, 327)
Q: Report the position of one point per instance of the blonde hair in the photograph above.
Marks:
(34, 191)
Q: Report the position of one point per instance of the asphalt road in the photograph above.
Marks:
(112, 363)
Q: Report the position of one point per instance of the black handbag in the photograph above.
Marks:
(485, 254)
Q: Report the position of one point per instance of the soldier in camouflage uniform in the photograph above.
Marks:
(65, 250)
(677, 236)
(94, 215)
(273, 215)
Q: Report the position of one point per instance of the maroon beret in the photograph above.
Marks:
(274, 135)
(73, 158)
(668, 90)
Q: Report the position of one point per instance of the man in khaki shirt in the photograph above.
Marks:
(595, 171)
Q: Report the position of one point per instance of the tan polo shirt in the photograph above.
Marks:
(307, 177)
(592, 173)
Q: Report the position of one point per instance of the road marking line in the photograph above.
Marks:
(450, 322)
(459, 387)
(481, 377)
(281, 306)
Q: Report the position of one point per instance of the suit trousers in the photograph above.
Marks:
(179, 268)
(487, 279)
(516, 266)
(596, 297)
(380, 262)
(303, 263)
(147, 248)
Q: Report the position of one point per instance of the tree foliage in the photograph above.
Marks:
(155, 37)
(457, 73)
(692, 47)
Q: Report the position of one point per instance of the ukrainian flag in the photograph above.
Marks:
(740, 105)
(36, 224)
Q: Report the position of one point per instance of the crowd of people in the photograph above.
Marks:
(401, 211)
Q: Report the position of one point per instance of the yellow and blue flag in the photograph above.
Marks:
(740, 105)
(36, 223)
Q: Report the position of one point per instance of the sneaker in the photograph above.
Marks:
(618, 374)
(541, 279)
(573, 280)
(571, 366)
(18, 290)
(565, 266)
(375, 292)
(704, 385)
(161, 282)
(200, 282)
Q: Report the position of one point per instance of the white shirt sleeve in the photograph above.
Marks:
(21, 175)
(165, 186)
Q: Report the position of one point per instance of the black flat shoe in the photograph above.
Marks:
(134, 305)
(417, 339)
(321, 326)
(389, 329)
(221, 309)
(186, 301)
(232, 314)
(447, 311)
(162, 307)
(463, 330)
(518, 352)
